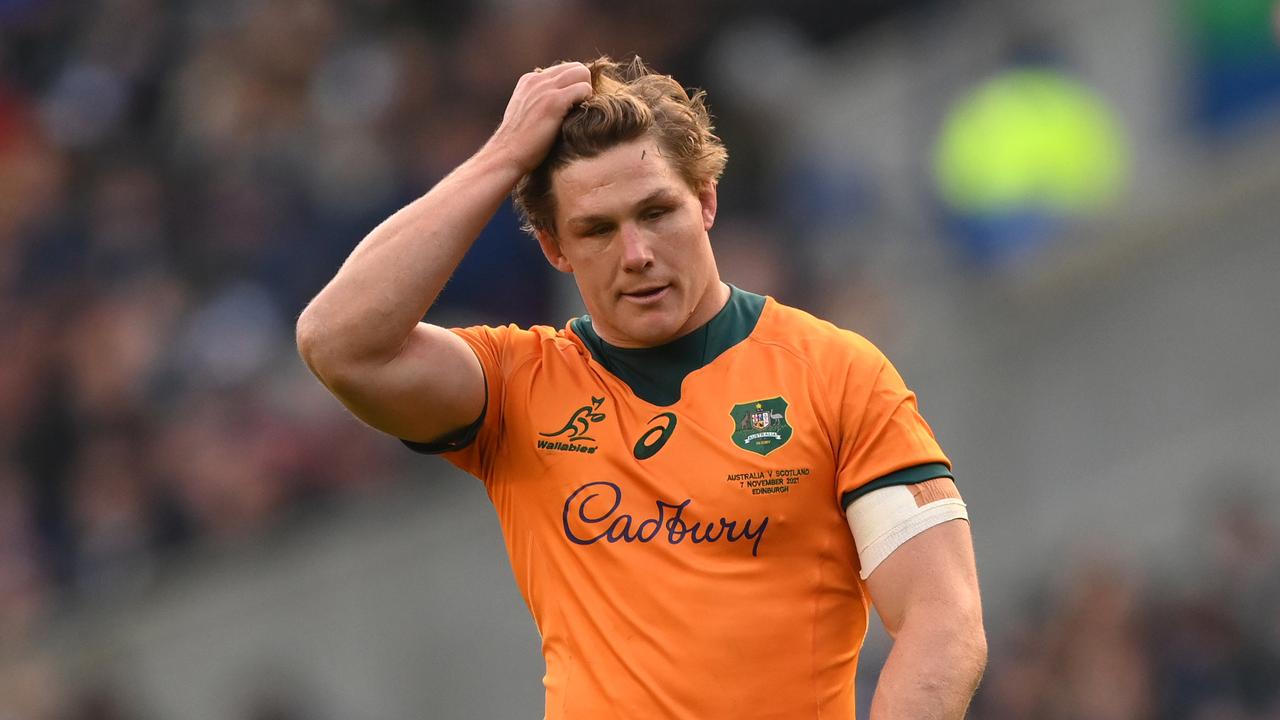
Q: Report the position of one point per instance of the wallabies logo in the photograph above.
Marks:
(573, 434)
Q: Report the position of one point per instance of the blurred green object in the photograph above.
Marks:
(1231, 29)
(1030, 139)
(1234, 63)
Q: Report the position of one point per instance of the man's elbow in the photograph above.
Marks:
(969, 632)
(307, 336)
(958, 626)
(976, 641)
(319, 348)
(967, 637)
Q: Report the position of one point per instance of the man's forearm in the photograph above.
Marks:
(932, 671)
(395, 274)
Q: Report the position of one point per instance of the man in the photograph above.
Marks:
(700, 489)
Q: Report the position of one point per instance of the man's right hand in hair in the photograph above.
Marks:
(361, 335)
(536, 110)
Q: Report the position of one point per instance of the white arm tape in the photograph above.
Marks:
(884, 519)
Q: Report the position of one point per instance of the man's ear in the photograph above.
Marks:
(551, 249)
(707, 198)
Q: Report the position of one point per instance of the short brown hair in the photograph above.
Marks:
(628, 102)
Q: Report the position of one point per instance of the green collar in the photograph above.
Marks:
(655, 374)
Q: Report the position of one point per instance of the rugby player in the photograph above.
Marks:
(702, 491)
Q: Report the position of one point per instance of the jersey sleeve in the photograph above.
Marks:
(474, 447)
(884, 439)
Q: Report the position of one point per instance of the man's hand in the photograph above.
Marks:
(361, 335)
(537, 108)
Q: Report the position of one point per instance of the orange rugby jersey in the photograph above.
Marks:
(675, 515)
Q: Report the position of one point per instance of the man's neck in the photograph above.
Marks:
(655, 374)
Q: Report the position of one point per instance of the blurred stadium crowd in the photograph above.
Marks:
(178, 178)
(1107, 642)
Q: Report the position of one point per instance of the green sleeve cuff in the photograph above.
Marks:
(905, 476)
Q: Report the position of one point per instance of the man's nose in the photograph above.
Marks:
(637, 254)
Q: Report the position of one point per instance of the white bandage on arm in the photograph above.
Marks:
(883, 519)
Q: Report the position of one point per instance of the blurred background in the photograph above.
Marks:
(1059, 219)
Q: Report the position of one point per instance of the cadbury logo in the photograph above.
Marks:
(591, 515)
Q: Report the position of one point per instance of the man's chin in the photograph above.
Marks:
(650, 330)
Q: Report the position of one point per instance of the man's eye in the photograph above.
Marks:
(598, 230)
(655, 213)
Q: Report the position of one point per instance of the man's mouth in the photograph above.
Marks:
(647, 293)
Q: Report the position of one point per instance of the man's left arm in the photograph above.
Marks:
(926, 592)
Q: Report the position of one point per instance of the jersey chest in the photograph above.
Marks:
(740, 450)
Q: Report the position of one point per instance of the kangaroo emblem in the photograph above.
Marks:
(580, 422)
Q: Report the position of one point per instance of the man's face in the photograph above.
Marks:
(634, 235)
